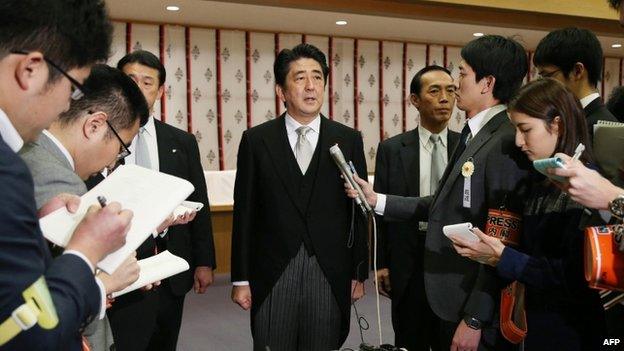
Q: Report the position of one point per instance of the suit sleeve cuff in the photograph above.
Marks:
(380, 207)
(82, 256)
(99, 283)
(241, 283)
(512, 263)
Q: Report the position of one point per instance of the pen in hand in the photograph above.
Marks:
(577, 153)
(102, 200)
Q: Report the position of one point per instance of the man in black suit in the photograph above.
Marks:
(42, 64)
(299, 251)
(573, 56)
(411, 164)
(484, 172)
(170, 150)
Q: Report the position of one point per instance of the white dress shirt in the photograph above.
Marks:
(291, 132)
(9, 133)
(479, 120)
(149, 134)
(312, 136)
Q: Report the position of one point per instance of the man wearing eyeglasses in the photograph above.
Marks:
(151, 320)
(46, 50)
(91, 135)
(573, 56)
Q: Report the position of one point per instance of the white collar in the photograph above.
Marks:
(61, 147)
(482, 118)
(9, 133)
(589, 98)
(150, 127)
(424, 134)
(292, 124)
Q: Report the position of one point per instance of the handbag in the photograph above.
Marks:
(604, 262)
(513, 323)
(506, 225)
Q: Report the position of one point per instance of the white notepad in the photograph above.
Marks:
(159, 267)
(187, 206)
(152, 196)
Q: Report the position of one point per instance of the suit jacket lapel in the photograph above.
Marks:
(166, 161)
(592, 106)
(452, 172)
(410, 157)
(278, 147)
(327, 139)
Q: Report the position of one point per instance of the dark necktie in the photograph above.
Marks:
(461, 146)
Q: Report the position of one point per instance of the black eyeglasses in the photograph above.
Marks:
(123, 151)
(77, 91)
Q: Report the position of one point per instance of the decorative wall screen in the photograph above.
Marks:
(220, 82)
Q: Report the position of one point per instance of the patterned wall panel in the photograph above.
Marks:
(436, 55)
(204, 95)
(611, 77)
(175, 108)
(342, 69)
(368, 97)
(221, 82)
(233, 93)
(453, 58)
(323, 44)
(262, 51)
(118, 46)
(392, 88)
(146, 37)
(415, 60)
(289, 41)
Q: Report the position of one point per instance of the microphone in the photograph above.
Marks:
(344, 168)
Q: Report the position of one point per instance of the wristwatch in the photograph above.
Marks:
(473, 323)
(616, 206)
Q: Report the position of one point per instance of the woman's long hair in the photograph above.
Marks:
(548, 98)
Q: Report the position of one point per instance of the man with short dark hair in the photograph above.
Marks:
(162, 147)
(298, 253)
(483, 173)
(91, 135)
(573, 56)
(46, 51)
(411, 164)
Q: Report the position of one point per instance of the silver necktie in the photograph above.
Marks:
(437, 163)
(142, 151)
(303, 148)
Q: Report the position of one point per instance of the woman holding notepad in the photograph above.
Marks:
(562, 312)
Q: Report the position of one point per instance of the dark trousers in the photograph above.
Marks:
(300, 313)
(132, 319)
(416, 327)
(168, 320)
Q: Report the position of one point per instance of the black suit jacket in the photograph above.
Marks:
(397, 172)
(269, 222)
(178, 155)
(596, 111)
(24, 257)
(457, 286)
